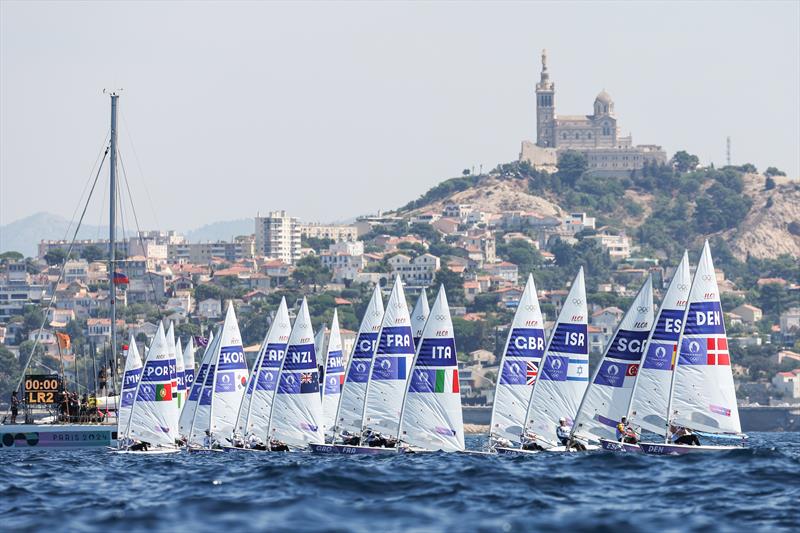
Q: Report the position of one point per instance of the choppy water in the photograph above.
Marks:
(756, 489)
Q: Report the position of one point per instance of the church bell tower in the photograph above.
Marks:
(545, 107)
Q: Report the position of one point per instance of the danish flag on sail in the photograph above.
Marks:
(718, 351)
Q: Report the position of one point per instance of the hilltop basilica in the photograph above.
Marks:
(596, 135)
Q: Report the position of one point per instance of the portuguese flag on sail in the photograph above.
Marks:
(164, 392)
(441, 380)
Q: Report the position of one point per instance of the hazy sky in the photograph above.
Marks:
(334, 110)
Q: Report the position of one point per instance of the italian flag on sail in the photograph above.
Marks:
(164, 392)
(441, 380)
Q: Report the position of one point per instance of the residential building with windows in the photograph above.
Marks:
(277, 236)
(417, 272)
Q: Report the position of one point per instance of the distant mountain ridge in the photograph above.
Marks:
(23, 235)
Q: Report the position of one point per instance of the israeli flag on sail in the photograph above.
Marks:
(519, 366)
(564, 372)
(431, 416)
(200, 420)
(173, 369)
(393, 356)
(333, 378)
(704, 396)
(263, 382)
(189, 408)
(351, 402)
(230, 377)
(153, 408)
(649, 400)
(608, 396)
(130, 379)
(419, 316)
(297, 409)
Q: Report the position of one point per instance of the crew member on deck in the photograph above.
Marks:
(530, 442)
(625, 432)
(14, 407)
(563, 432)
(683, 435)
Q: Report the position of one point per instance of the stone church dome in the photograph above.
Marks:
(604, 97)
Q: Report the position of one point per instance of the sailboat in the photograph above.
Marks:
(648, 405)
(519, 366)
(389, 376)
(333, 379)
(296, 418)
(192, 400)
(431, 417)
(563, 375)
(130, 379)
(254, 411)
(350, 412)
(608, 395)
(223, 390)
(702, 393)
(188, 368)
(153, 418)
(419, 316)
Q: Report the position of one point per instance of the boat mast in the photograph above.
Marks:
(112, 232)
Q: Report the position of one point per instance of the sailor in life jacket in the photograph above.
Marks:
(625, 432)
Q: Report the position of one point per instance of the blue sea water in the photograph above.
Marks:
(753, 489)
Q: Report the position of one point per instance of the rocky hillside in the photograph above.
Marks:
(662, 209)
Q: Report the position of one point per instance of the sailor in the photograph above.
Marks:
(237, 441)
(683, 435)
(254, 442)
(530, 441)
(139, 446)
(563, 432)
(209, 441)
(625, 432)
(14, 407)
(349, 439)
(278, 446)
(501, 442)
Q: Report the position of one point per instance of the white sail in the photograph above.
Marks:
(419, 316)
(180, 371)
(201, 419)
(154, 408)
(297, 409)
(230, 377)
(188, 366)
(608, 396)
(130, 379)
(431, 418)
(648, 407)
(564, 373)
(188, 411)
(704, 397)
(351, 403)
(389, 375)
(257, 402)
(333, 377)
(173, 369)
(519, 367)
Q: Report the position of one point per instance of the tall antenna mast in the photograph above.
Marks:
(728, 151)
(112, 228)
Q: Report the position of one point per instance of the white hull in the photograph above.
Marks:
(682, 449)
(514, 451)
(153, 451)
(56, 436)
(346, 449)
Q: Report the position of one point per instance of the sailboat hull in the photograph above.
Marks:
(154, 451)
(682, 449)
(615, 446)
(346, 449)
(514, 451)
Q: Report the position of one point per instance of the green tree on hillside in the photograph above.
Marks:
(571, 166)
(453, 285)
(684, 161)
